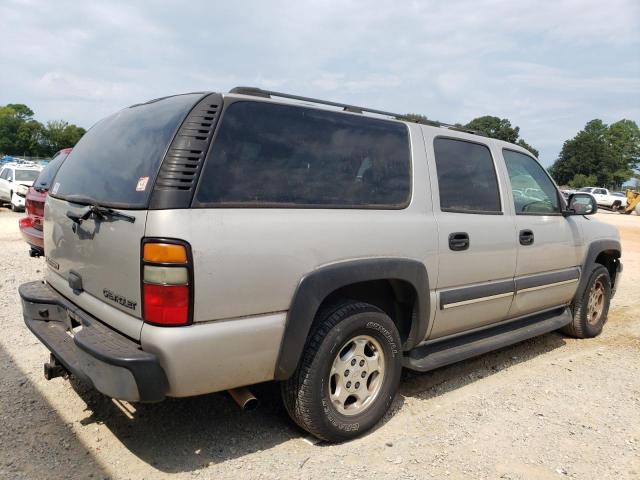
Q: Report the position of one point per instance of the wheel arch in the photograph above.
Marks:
(603, 252)
(384, 282)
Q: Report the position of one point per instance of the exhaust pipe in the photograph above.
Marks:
(244, 398)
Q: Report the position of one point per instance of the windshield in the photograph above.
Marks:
(26, 175)
(585, 189)
(44, 179)
(116, 161)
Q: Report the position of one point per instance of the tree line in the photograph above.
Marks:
(599, 155)
(22, 135)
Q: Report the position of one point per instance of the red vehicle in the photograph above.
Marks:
(31, 224)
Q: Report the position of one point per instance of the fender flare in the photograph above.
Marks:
(314, 288)
(595, 249)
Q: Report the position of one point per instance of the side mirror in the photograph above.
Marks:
(581, 204)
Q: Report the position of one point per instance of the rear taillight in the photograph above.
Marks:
(167, 282)
(28, 206)
(25, 222)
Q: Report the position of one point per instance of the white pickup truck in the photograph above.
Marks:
(605, 198)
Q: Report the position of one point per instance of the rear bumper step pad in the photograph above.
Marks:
(111, 362)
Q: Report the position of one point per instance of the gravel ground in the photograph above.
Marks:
(550, 407)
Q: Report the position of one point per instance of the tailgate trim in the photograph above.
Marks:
(121, 321)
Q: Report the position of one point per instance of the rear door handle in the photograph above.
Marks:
(526, 237)
(458, 241)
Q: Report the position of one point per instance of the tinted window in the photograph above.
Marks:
(533, 190)
(47, 174)
(282, 155)
(122, 150)
(466, 177)
(4, 174)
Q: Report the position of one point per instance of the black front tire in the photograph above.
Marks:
(306, 394)
(584, 324)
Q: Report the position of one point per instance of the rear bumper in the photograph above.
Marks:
(111, 362)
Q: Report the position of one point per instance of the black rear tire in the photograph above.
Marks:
(307, 394)
(585, 324)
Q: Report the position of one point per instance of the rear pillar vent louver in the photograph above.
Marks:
(178, 174)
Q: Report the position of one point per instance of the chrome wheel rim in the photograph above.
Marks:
(596, 302)
(357, 375)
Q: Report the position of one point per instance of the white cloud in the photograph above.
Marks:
(549, 67)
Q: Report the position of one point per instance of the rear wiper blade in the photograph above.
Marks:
(80, 199)
(99, 213)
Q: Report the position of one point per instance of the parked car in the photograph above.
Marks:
(606, 198)
(15, 180)
(204, 242)
(31, 225)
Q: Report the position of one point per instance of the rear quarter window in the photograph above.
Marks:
(282, 155)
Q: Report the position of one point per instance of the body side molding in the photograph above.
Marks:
(466, 295)
(315, 287)
(548, 279)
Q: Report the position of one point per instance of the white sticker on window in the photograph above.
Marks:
(55, 188)
(142, 184)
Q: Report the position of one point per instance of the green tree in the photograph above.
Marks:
(580, 180)
(59, 134)
(21, 110)
(525, 145)
(501, 129)
(20, 134)
(610, 153)
(417, 118)
(29, 139)
(9, 125)
(495, 127)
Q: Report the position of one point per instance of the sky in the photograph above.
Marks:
(547, 66)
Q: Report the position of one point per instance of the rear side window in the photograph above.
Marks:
(116, 161)
(281, 155)
(533, 191)
(44, 179)
(466, 177)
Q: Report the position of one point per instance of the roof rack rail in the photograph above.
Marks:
(258, 92)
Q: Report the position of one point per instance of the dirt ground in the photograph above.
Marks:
(550, 407)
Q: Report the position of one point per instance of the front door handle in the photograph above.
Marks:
(526, 237)
(458, 241)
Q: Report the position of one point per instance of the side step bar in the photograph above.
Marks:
(444, 352)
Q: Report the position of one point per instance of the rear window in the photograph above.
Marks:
(116, 161)
(281, 155)
(45, 177)
(26, 175)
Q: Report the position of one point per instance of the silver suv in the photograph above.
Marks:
(203, 242)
